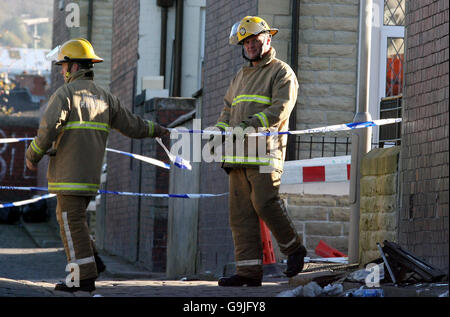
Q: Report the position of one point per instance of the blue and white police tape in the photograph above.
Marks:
(27, 201)
(175, 159)
(136, 156)
(186, 196)
(100, 191)
(331, 128)
(13, 140)
(142, 158)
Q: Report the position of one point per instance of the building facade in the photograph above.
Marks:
(423, 219)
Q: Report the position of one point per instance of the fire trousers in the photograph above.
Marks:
(78, 245)
(254, 196)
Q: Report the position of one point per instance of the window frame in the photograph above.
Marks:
(378, 52)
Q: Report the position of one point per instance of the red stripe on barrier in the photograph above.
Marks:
(313, 174)
(348, 171)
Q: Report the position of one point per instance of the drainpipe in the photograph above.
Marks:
(165, 5)
(176, 92)
(90, 15)
(295, 11)
(361, 138)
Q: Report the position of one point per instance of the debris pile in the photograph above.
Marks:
(396, 273)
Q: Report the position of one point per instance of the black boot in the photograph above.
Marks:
(236, 280)
(87, 285)
(101, 267)
(295, 262)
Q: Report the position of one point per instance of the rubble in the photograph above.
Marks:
(397, 273)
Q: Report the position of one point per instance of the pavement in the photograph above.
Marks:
(32, 260)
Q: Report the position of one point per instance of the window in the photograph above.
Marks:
(387, 65)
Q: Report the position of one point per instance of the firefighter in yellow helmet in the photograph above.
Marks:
(73, 131)
(261, 96)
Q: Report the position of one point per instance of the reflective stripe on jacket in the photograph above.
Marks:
(76, 124)
(263, 97)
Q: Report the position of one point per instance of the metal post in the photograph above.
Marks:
(361, 138)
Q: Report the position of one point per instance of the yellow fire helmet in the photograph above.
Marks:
(77, 49)
(248, 26)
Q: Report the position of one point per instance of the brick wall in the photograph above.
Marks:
(424, 222)
(13, 171)
(120, 236)
(222, 61)
(153, 212)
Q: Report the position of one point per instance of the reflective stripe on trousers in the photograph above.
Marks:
(73, 259)
(79, 248)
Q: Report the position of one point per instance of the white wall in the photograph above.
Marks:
(149, 41)
(192, 46)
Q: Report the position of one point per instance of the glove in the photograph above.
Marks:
(214, 144)
(239, 134)
(160, 131)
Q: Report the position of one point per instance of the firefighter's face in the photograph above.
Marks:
(65, 72)
(257, 45)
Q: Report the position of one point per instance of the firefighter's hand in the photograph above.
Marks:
(160, 131)
(215, 141)
(238, 132)
(31, 166)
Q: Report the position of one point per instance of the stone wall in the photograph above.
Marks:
(379, 208)
(318, 217)
(328, 61)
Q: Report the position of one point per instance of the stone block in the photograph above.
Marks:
(380, 161)
(316, 36)
(336, 117)
(305, 213)
(313, 9)
(368, 204)
(386, 184)
(333, 77)
(325, 102)
(336, 24)
(386, 204)
(306, 77)
(314, 90)
(313, 200)
(323, 229)
(343, 64)
(339, 214)
(281, 21)
(314, 63)
(332, 50)
(274, 7)
(343, 90)
(345, 10)
(368, 185)
(346, 37)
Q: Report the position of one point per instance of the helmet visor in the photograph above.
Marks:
(53, 54)
(233, 39)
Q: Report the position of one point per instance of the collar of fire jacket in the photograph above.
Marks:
(81, 74)
(267, 58)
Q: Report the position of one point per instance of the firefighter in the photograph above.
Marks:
(261, 96)
(73, 131)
